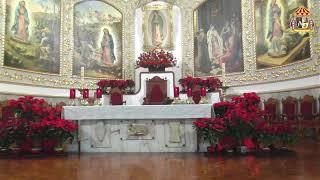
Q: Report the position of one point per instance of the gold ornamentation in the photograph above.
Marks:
(251, 75)
(138, 130)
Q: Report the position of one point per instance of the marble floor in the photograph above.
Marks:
(166, 166)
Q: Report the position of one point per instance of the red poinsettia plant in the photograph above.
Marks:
(241, 122)
(156, 59)
(211, 83)
(107, 85)
(29, 126)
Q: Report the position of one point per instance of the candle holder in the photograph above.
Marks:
(224, 93)
(83, 101)
(204, 100)
(189, 100)
(98, 102)
(177, 100)
(176, 93)
(72, 102)
(72, 97)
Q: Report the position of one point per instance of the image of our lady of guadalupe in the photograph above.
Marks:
(107, 45)
(21, 22)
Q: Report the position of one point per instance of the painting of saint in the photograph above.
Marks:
(97, 40)
(276, 44)
(21, 22)
(218, 38)
(157, 26)
(32, 37)
(157, 29)
(107, 48)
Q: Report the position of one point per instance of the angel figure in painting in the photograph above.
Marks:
(21, 22)
(107, 46)
(157, 29)
(277, 47)
(215, 44)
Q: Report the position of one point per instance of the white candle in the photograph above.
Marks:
(82, 74)
(223, 67)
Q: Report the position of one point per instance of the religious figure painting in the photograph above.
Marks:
(157, 26)
(277, 44)
(97, 40)
(218, 37)
(32, 36)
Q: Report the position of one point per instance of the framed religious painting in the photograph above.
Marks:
(218, 37)
(157, 26)
(276, 43)
(32, 35)
(97, 40)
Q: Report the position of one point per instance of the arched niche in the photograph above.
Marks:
(158, 26)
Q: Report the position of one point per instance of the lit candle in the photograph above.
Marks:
(99, 93)
(189, 92)
(176, 91)
(72, 93)
(82, 74)
(85, 93)
(203, 91)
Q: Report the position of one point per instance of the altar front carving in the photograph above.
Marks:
(148, 128)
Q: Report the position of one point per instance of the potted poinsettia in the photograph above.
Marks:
(156, 61)
(59, 131)
(27, 132)
(210, 130)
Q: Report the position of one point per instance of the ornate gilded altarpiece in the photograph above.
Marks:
(250, 75)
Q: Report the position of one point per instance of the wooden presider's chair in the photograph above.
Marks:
(272, 108)
(308, 116)
(156, 91)
(290, 109)
(116, 97)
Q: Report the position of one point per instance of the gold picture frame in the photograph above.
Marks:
(251, 75)
(157, 26)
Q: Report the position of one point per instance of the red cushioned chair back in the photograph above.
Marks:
(116, 97)
(290, 108)
(271, 108)
(307, 105)
(156, 94)
(156, 91)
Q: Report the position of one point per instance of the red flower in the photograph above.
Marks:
(249, 143)
(156, 59)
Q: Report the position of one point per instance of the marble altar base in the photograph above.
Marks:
(161, 128)
(115, 136)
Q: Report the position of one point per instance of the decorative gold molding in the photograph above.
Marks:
(65, 79)
(251, 75)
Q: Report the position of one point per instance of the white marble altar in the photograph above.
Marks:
(149, 128)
